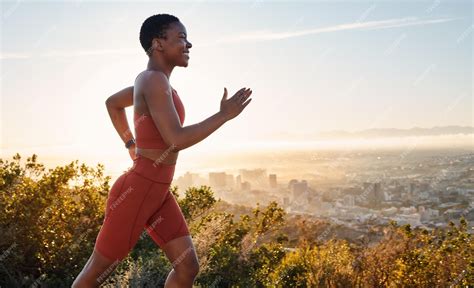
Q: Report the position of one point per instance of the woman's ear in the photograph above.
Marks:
(154, 44)
(158, 45)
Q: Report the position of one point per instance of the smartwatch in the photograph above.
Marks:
(129, 143)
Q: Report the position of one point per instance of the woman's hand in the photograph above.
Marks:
(236, 104)
(132, 151)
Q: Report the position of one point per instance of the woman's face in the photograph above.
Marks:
(176, 46)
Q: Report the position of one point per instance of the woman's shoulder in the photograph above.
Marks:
(151, 74)
(153, 80)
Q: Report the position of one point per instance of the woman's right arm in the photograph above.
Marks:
(158, 96)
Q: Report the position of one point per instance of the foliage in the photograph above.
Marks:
(50, 220)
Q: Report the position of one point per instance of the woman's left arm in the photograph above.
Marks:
(116, 105)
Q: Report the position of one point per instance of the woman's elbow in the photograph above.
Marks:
(116, 103)
(175, 143)
(109, 103)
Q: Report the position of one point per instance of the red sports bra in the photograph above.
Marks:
(147, 136)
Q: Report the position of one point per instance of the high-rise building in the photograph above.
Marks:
(298, 189)
(272, 180)
(188, 180)
(292, 181)
(246, 186)
(217, 179)
(229, 180)
(376, 195)
(238, 182)
(412, 191)
(257, 177)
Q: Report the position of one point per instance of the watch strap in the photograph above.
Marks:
(130, 143)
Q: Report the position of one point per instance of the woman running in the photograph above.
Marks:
(140, 198)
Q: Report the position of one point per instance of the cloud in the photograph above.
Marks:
(13, 56)
(262, 35)
(266, 35)
(123, 51)
(73, 53)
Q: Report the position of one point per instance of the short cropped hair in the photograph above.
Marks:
(155, 27)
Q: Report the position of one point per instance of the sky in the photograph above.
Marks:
(313, 66)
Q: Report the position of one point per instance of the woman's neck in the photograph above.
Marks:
(159, 65)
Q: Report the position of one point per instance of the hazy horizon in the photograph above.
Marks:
(313, 67)
(252, 156)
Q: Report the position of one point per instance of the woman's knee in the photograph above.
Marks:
(188, 268)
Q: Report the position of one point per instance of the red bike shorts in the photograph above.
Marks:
(140, 199)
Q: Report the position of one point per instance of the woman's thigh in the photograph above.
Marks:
(132, 201)
(167, 222)
(168, 228)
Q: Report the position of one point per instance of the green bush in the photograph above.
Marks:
(50, 220)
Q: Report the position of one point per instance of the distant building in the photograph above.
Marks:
(412, 219)
(412, 191)
(272, 178)
(427, 214)
(245, 186)
(217, 179)
(292, 181)
(452, 214)
(407, 210)
(349, 200)
(375, 194)
(238, 182)
(298, 189)
(229, 180)
(257, 177)
(389, 211)
(188, 180)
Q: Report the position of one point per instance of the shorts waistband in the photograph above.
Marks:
(153, 170)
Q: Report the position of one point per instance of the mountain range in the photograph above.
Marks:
(377, 133)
